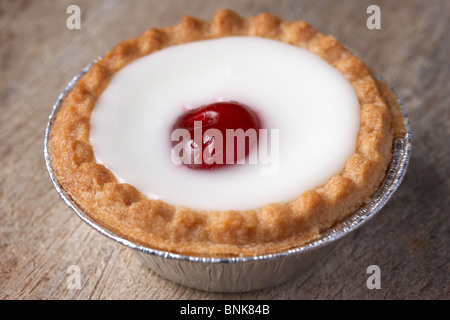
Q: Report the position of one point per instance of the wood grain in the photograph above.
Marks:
(40, 237)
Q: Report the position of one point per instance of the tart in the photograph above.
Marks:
(109, 146)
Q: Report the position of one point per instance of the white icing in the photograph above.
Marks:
(313, 106)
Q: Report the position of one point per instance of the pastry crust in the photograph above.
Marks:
(275, 227)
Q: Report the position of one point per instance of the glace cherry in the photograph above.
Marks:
(220, 116)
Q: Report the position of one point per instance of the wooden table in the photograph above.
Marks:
(40, 238)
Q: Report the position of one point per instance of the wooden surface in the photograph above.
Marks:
(40, 237)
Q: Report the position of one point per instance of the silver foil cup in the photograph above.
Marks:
(239, 274)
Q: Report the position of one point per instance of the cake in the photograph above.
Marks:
(324, 128)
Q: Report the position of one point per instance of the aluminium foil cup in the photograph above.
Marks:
(239, 274)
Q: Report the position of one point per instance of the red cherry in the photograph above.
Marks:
(219, 116)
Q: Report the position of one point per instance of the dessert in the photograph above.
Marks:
(330, 126)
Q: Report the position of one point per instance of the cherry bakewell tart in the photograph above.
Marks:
(328, 120)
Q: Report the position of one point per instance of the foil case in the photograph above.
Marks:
(239, 274)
